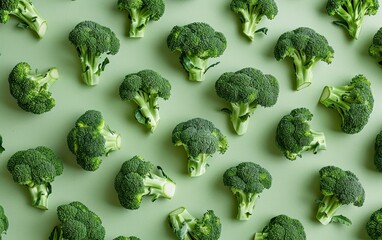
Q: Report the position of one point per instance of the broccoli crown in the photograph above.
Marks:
(79, 222)
(4, 224)
(294, 134)
(136, 179)
(151, 9)
(258, 8)
(282, 227)
(6, 8)
(354, 102)
(374, 225)
(31, 90)
(1, 144)
(378, 152)
(375, 49)
(126, 238)
(90, 139)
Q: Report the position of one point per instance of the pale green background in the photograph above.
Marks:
(295, 184)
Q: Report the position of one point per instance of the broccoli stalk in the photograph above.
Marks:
(327, 209)
(195, 66)
(303, 69)
(40, 194)
(45, 80)
(337, 97)
(158, 186)
(240, 114)
(246, 203)
(148, 107)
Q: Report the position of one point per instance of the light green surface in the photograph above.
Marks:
(295, 184)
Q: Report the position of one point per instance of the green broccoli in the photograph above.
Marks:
(145, 88)
(197, 42)
(294, 134)
(126, 238)
(354, 103)
(36, 168)
(26, 12)
(93, 42)
(378, 152)
(31, 90)
(375, 49)
(244, 90)
(4, 224)
(282, 227)
(1, 144)
(246, 181)
(90, 139)
(140, 13)
(137, 179)
(78, 222)
(187, 227)
(251, 12)
(351, 13)
(306, 47)
(338, 188)
(374, 225)
(200, 139)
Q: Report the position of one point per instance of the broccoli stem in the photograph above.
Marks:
(148, 107)
(261, 236)
(91, 66)
(138, 23)
(241, 113)
(303, 71)
(195, 67)
(112, 140)
(353, 16)
(327, 208)
(159, 187)
(46, 79)
(197, 166)
(334, 97)
(29, 15)
(318, 143)
(250, 20)
(40, 194)
(181, 222)
(246, 204)
(56, 234)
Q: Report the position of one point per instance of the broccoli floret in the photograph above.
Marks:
(187, 227)
(294, 134)
(93, 42)
(145, 88)
(374, 225)
(36, 168)
(1, 144)
(137, 179)
(306, 47)
(26, 12)
(351, 13)
(140, 13)
(375, 49)
(4, 224)
(126, 238)
(378, 152)
(251, 12)
(246, 181)
(197, 42)
(78, 222)
(245, 90)
(354, 103)
(31, 90)
(282, 227)
(338, 188)
(200, 139)
(91, 138)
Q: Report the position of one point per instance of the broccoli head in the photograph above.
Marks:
(244, 90)
(187, 227)
(306, 47)
(4, 224)
(140, 13)
(145, 88)
(375, 49)
(126, 238)
(338, 187)
(91, 138)
(378, 152)
(137, 179)
(93, 42)
(31, 90)
(282, 227)
(354, 103)
(251, 12)
(351, 13)
(77, 222)
(294, 134)
(200, 139)
(374, 225)
(1, 144)
(246, 181)
(26, 12)
(36, 168)
(197, 42)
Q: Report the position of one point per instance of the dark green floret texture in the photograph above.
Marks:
(246, 181)
(378, 152)
(305, 47)
(186, 227)
(374, 225)
(251, 12)
(4, 224)
(36, 168)
(294, 134)
(197, 42)
(354, 103)
(126, 238)
(78, 222)
(93, 43)
(244, 90)
(200, 139)
(338, 188)
(140, 13)
(31, 89)
(375, 49)
(282, 227)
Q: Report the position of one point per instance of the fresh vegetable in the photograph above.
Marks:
(126, 238)
(375, 49)
(374, 225)
(4, 224)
